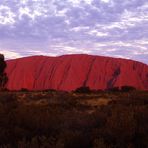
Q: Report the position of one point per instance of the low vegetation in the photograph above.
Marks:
(51, 119)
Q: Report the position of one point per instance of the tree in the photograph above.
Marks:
(3, 75)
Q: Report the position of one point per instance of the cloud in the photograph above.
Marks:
(6, 15)
(9, 54)
(80, 28)
(97, 33)
(105, 1)
(105, 27)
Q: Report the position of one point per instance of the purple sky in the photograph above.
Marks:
(117, 28)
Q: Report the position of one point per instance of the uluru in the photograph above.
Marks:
(69, 72)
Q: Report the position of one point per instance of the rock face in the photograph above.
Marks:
(72, 71)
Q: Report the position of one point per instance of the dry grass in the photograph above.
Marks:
(94, 102)
(56, 119)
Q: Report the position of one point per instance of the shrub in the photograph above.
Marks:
(24, 90)
(49, 90)
(113, 89)
(83, 89)
(99, 143)
(127, 88)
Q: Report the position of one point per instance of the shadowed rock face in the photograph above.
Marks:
(72, 71)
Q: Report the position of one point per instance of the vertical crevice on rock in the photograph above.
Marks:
(39, 72)
(65, 74)
(89, 71)
(111, 82)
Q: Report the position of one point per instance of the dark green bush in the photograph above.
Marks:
(113, 89)
(83, 90)
(24, 90)
(127, 88)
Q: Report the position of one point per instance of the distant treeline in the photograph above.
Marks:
(83, 89)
